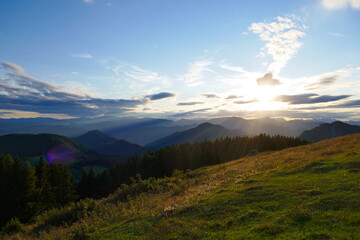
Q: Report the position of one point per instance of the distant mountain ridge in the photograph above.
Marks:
(199, 133)
(269, 126)
(330, 130)
(144, 131)
(58, 149)
(109, 145)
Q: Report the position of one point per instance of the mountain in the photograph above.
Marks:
(295, 193)
(266, 125)
(56, 148)
(93, 139)
(330, 130)
(136, 130)
(144, 131)
(201, 132)
(108, 145)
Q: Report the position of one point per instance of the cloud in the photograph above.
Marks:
(132, 72)
(18, 91)
(196, 72)
(83, 55)
(327, 80)
(189, 113)
(161, 95)
(322, 83)
(337, 4)
(209, 95)
(334, 34)
(282, 40)
(88, 1)
(246, 102)
(189, 103)
(267, 80)
(350, 104)
(233, 97)
(309, 98)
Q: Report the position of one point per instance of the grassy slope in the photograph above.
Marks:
(308, 192)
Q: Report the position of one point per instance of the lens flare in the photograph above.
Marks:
(60, 154)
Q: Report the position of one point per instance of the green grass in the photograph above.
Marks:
(308, 192)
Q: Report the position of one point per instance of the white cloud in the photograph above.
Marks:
(196, 71)
(132, 72)
(282, 40)
(335, 34)
(88, 1)
(83, 55)
(337, 4)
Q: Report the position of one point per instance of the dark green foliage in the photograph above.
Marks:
(69, 214)
(182, 157)
(26, 191)
(13, 226)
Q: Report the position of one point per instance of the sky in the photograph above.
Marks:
(180, 59)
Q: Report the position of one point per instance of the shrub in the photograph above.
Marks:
(71, 213)
(139, 186)
(13, 226)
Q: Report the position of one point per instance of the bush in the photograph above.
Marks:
(138, 186)
(71, 213)
(13, 226)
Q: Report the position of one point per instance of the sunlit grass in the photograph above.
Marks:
(308, 192)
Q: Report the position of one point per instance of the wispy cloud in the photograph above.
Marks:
(189, 113)
(189, 103)
(83, 55)
(133, 72)
(246, 102)
(337, 4)
(196, 72)
(334, 34)
(282, 40)
(161, 95)
(88, 1)
(22, 92)
(233, 97)
(209, 95)
(309, 98)
(328, 80)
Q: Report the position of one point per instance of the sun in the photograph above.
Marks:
(265, 94)
(263, 98)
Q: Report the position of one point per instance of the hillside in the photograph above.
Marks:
(330, 130)
(199, 133)
(307, 192)
(56, 149)
(108, 145)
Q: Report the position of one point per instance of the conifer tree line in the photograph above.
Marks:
(181, 157)
(26, 190)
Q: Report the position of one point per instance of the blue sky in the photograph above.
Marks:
(77, 58)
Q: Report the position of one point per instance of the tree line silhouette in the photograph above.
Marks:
(181, 157)
(26, 190)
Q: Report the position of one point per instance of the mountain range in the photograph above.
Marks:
(144, 131)
(330, 130)
(109, 145)
(204, 131)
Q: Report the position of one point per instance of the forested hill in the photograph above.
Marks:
(307, 192)
(57, 148)
(199, 133)
(330, 130)
(182, 157)
(109, 145)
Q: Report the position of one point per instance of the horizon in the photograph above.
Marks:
(180, 60)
